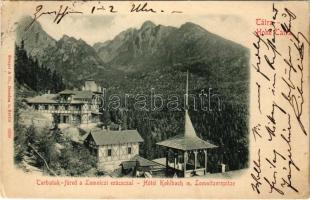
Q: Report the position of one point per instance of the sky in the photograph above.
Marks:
(99, 28)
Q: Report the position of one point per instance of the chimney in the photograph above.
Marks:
(119, 127)
(108, 127)
(48, 91)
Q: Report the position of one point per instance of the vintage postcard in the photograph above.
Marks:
(154, 99)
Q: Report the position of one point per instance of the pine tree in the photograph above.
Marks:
(29, 72)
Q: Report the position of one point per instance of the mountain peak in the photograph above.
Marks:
(27, 24)
(148, 24)
(191, 26)
(66, 37)
(36, 40)
(27, 20)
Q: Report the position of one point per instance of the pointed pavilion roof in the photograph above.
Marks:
(189, 140)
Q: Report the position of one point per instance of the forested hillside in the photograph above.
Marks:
(38, 77)
(155, 57)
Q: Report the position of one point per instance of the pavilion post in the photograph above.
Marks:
(195, 161)
(167, 155)
(185, 161)
(206, 160)
(175, 159)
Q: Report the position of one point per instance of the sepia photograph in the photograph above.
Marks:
(154, 101)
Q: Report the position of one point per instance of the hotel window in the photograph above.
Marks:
(66, 107)
(45, 107)
(109, 152)
(129, 150)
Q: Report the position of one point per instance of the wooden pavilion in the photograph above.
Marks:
(186, 154)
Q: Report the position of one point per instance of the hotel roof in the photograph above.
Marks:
(52, 98)
(105, 137)
(66, 91)
(45, 98)
(87, 94)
